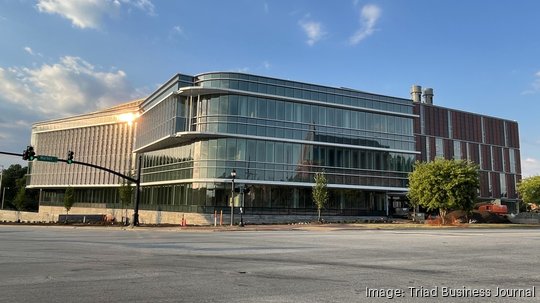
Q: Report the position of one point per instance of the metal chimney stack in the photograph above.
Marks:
(428, 95)
(416, 93)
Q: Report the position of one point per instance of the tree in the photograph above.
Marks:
(20, 200)
(320, 192)
(69, 199)
(126, 193)
(11, 183)
(444, 185)
(529, 190)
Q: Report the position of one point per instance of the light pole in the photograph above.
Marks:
(1, 177)
(242, 207)
(4, 196)
(233, 175)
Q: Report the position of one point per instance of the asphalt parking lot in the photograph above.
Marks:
(70, 264)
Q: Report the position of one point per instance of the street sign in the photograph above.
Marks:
(47, 158)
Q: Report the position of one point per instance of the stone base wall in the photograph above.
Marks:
(49, 214)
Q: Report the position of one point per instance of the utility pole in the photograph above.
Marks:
(135, 221)
(3, 196)
(233, 176)
(1, 179)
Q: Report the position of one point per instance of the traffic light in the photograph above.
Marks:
(70, 157)
(31, 153)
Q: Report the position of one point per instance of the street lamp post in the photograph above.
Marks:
(4, 196)
(1, 177)
(233, 175)
(242, 207)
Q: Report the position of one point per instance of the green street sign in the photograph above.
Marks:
(47, 158)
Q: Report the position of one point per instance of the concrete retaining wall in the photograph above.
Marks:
(50, 214)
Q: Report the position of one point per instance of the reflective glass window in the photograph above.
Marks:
(261, 151)
(243, 105)
(271, 105)
(269, 152)
(212, 149)
(315, 114)
(231, 148)
(252, 107)
(279, 153)
(261, 108)
(298, 112)
(322, 115)
(233, 105)
(243, 85)
(251, 151)
(289, 111)
(330, 116)
(280, 110)
(306, 113)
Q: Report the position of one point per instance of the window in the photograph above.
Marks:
(261, 151)
(280, 110)
(233, 105)
(457, 150)
(439, 149)
(279, 153)
(512, 161)
(271, 106)
(261, 108)
(502, 177)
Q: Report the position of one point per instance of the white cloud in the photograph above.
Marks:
(530, 167)
(535, 85)
(314, 31)
(241, 70)
(179, 30)
(144, 5)
(369, 15)
(89, 13)
(266, 65)
(266, 8)
(70, 86)
(29, 50)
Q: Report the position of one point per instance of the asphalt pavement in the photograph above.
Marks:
(74, 264)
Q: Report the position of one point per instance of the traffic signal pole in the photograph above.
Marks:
(137, 194)
(135, 221)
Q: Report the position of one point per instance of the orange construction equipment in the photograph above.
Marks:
(494, 208)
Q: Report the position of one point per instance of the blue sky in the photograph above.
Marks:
(59, 58)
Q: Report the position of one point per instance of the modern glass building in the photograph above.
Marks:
(276, 134)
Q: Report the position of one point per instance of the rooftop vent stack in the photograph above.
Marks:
(428, 95)
(416, 93)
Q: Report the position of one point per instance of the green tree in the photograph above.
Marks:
(126, 194)
(69, 199)
(529, 190)
(10, 183)
(444, 185)
(20, 198)
(320, 192)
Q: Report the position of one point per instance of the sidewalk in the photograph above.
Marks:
(333, 227)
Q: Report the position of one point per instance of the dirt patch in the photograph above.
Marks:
(460, 216)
